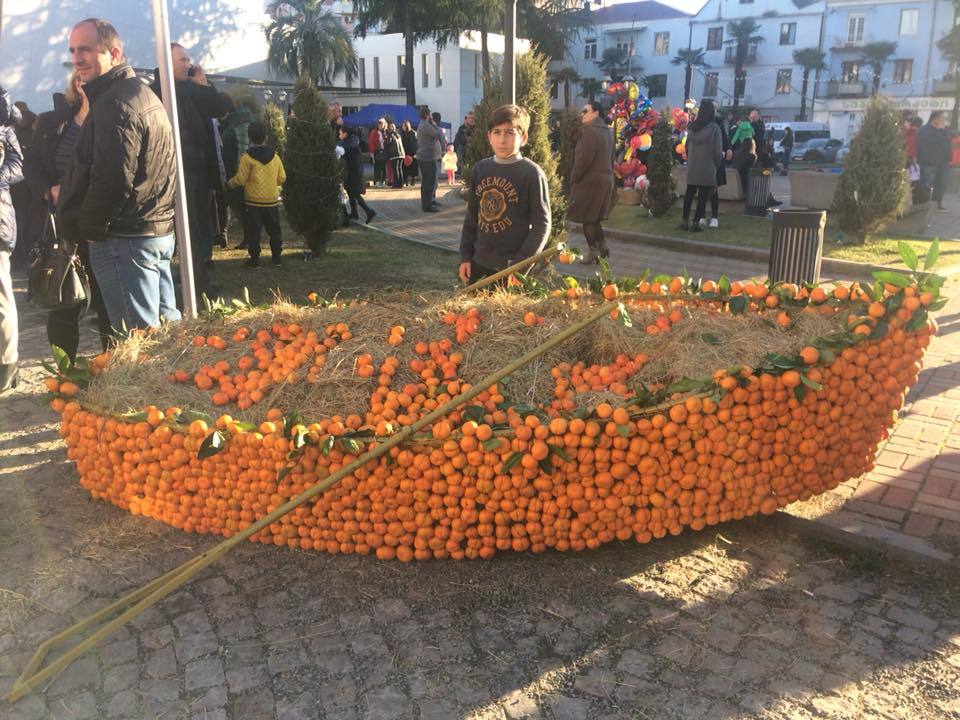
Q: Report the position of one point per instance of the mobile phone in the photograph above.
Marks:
(191, 71)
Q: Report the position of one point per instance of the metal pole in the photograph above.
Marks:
(161, 31)
(509, 55)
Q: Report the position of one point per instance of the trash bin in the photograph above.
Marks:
(796, 246)
(758, 191)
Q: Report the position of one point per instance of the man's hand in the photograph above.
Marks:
(465, 268)
(728, 155)
(55, 194)
(199, 77)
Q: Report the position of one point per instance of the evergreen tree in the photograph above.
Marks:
(661, 194)
(311, 195)
(571, 127)
(873, 184)
(276, 123)
(533, 96)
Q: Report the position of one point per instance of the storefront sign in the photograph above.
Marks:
(906, 103)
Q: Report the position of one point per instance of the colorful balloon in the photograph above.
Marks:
(645, 142)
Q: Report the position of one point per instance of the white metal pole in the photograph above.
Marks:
(509, 53)
(161, 30)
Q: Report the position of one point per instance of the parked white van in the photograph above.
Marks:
(802, 131)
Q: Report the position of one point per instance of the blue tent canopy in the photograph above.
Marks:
(368, 116)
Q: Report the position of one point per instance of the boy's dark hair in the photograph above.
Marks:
(257, 132)
(513, 114)
(916, 121)
(424, 113)
(595, 104)
(436, 117)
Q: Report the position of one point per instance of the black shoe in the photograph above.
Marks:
(432, 209)
(275, 261)
(251, 263)
(371, 215)
(696, 228)
(436, 204)
(222, 241)
(773, 202)
(684, 225)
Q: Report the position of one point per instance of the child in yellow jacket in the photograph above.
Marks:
(261, 174)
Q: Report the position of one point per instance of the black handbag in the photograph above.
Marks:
(57, 279)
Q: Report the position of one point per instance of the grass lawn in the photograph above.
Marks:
(358, 262)
(739, 229)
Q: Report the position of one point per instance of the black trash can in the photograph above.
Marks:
(758, 191)
(796, 246)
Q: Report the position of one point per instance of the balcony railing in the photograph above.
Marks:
(730, 54)
(837, 88)
(944, 86)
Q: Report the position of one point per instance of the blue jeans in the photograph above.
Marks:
(135, 280)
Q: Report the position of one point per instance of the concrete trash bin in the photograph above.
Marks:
(796, 246)
(758, 191)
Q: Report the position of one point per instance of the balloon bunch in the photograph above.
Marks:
(633, 118)
(681, 119)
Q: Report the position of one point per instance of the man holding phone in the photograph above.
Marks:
(198, 106)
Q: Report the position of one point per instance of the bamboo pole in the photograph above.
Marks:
(145, 597)
(508, 271)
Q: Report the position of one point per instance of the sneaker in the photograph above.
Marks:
(275, 261)
(702, 222)
(371, 215)
(251, 263)
(714, 223)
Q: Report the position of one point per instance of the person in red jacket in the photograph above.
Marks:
(909, 130)
(375, 144)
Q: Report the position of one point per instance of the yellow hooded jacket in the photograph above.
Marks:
(261, 174)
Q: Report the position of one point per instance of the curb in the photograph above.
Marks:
(833, 266)
(868, 538)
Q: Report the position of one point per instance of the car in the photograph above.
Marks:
(802, 132)
(818, 150)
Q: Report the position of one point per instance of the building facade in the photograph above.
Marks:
(916, 77)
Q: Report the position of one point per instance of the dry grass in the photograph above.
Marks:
(697, 346)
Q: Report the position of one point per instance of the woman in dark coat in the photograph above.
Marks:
(44, 169)
(395, 155)
(721, 174)
(409, 138)
(591, 181)
(704, 156)
(353, 180)
(744, 159)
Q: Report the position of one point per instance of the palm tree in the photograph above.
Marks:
(811, 60)
(566, 75)
(876, 54)
(590, 88)
(742, 34)
(305, 39)
(690, 59)
(949, 46)
(613, 61)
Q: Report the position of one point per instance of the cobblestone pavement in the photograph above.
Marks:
(745, 621)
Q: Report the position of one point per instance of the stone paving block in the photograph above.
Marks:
(387, 703)
(937, 511)
(919, 525)
(258, 703)
(161, 663)
(898, 498)
(79, 706)
(875, 509)
(125, 704)
(204, 673)
(568, 708)
(869, 490)
(82, 673)
(940, 486)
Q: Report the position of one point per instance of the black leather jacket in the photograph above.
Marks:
(123, 174)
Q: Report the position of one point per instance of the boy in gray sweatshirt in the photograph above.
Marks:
(508, 213)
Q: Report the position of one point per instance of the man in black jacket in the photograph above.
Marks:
(118, 192)
(934, 151)
(11, 172)
(198, 105)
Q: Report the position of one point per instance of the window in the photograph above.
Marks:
(376, 73)
(401, 71)
(715, 38)
(554, 89)
(661, 43)
(477, 70)
(850, 71)
(855, 28)
(903, 71)
(438, 70)
(711, 84)
(625, 44)
(362, 72)
(746, 2)
(590, 49)
(656, 85)
(788, 33)
(425, 70)
(909, 22)
(783, 81)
